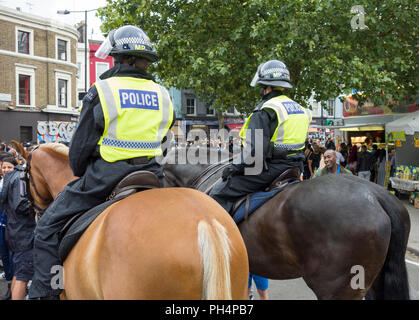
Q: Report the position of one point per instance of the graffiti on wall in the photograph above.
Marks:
(55, 131)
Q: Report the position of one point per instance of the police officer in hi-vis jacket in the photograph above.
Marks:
(284, 126)
(124, 120)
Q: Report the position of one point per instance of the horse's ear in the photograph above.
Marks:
(20, 149)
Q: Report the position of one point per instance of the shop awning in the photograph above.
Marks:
(363, 128)
(234, 126)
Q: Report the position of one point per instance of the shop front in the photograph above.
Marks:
(404, 134)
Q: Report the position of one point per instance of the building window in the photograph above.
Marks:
(230, 110)
(62, 93)
(62, 49)
(101, 67)
(210, 111)
(24, 90)
(63, 89)
(23, 41)
(190, 106)
(331, 107)
(25, 85)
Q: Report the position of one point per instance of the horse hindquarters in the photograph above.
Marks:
(151, 249)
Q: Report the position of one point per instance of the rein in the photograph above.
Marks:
(27, 178)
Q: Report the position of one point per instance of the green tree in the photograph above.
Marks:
(215, 46)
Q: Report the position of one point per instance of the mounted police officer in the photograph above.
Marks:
(284, 124)
(124, 120)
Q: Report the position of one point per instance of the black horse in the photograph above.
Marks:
(343, 235)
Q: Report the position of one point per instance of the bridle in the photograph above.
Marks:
(26, 177)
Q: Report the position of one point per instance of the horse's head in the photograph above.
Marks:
(47, 172)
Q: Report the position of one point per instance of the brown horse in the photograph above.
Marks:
(343, 235)
(167, 243)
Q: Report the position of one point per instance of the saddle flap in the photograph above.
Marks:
(135, 181)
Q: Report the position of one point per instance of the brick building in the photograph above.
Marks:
(38, 84)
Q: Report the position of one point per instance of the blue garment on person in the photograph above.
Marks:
(261, 282)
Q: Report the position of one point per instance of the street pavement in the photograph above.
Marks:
(296, 289)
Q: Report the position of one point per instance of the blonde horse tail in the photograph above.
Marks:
(215, 254)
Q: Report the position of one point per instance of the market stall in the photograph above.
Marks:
(404, 132)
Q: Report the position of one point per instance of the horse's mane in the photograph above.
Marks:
(56, 147)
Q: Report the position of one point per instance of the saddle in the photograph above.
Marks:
(132, 183)
(288, 177)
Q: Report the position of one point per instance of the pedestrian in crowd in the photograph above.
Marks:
(364, 164)
(330, 144)
(374, 166)
(99, 154)
(344, 152)
(381, 160)
(5, 253)
(331, 165)
(19, 230)
(392, 162)
(307, 153)
(262, 285)
(352, 159)
(286, 150)
(339, 156)
(314, 159)
(3, 147)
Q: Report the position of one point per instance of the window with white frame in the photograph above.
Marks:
(62, 46)
(190, 106)
(62, 93)
(101, 67)
(25, 85)
(24, 40)
(63, 89)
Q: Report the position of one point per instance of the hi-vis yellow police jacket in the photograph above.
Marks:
(293, 122)
(138, 114)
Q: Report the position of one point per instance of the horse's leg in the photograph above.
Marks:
(345, 277)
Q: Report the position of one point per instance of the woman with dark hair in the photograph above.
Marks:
(8, 163)
(19, 228)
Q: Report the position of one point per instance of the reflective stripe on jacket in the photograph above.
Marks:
(138, 114)
(293, 122)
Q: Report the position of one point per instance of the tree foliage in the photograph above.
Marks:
(215, 46)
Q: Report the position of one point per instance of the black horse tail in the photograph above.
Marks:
(392, 282)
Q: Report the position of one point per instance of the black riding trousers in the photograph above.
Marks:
(78, 196)
(235, 187)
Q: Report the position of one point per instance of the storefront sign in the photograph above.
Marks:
(398, 143)
(398, 135)
(417, 143)
(55, 131)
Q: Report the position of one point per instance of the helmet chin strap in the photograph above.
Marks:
(131, 61)
(262, 91)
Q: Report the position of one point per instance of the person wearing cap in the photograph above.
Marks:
(284, 124)
(124, 121)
